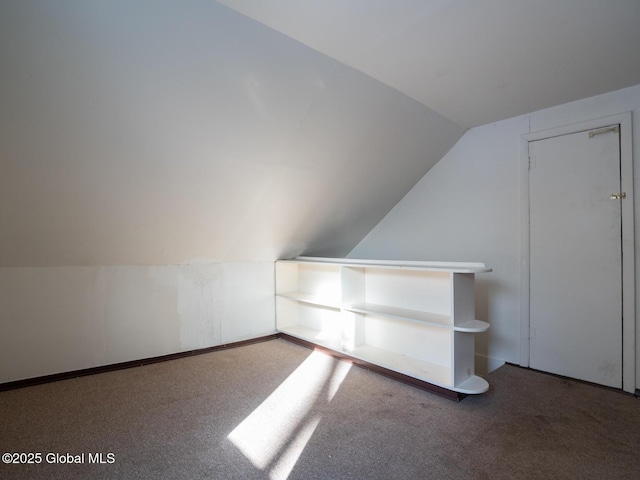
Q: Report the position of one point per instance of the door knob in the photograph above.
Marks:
(618, 196)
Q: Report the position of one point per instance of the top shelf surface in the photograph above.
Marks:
(454, 267)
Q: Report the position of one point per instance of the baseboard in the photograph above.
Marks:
(481, 362)
(130, 364)
(577, 380)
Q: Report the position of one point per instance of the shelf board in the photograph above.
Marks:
(472, 386)
(331, 291)
(416, 316)
(446, 392)
(426, 371)
(472, 326)
(310, 298)
(454, 267)
(311, 335)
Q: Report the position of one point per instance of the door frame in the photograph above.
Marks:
(628, 246)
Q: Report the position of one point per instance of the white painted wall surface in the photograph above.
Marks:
(467, 208)
(69, 318)
(137, 137)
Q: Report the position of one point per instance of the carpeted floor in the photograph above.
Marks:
(277, 410)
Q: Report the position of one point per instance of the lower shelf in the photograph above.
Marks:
(312, 335)
(431, 373)
(430, 387)
(425, 371)
(473, 385)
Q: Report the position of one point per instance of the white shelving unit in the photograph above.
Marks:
(414, 318)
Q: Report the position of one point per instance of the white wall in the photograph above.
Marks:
(69, 318)
(467, 208)
(139, 138)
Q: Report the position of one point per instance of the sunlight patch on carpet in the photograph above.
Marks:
(276, 433)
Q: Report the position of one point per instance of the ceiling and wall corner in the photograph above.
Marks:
(167, 133)
(474, 62)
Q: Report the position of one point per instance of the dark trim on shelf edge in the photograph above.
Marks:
(28, 382)
(443, 392)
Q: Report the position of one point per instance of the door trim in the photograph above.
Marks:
(628, 250)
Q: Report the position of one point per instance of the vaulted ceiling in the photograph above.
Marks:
(473, 61)
(146, 132)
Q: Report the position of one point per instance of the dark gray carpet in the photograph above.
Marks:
(277, 410)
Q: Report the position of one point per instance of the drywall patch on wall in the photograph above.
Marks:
(200, 305)
(249, 309)
(225, 302)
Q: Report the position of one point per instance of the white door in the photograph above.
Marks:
(576, 256)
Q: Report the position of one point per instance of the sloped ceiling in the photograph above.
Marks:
(146, 132)
(473, 61)
(164, 132)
